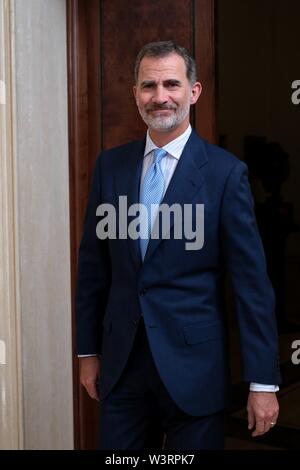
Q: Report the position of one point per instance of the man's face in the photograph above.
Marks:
(163, 92)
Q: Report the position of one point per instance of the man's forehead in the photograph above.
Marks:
(170, 64)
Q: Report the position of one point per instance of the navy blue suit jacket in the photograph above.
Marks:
(178, 292)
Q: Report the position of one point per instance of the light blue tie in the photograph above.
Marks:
(152, 190)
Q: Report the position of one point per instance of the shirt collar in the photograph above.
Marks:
(174, 148)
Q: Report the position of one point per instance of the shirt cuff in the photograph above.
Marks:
(255, 387)
(87, 355)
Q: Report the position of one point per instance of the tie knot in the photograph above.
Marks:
(159, 154)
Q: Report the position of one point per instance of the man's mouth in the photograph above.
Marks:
(161, 111)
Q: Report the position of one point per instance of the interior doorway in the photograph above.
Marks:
(257, 121)
(104, 37)
(256, 44)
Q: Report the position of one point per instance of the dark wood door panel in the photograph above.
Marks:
(125, 28)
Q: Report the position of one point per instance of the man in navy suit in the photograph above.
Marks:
(151, 332)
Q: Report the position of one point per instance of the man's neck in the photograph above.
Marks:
(163, 138)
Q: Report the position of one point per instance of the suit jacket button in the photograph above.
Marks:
(143, 291)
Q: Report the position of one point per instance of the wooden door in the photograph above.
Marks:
(104, 37)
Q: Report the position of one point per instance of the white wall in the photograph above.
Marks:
(42, 232)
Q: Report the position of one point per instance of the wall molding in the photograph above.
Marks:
(11, 417)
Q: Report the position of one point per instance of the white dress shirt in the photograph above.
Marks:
(169, 162)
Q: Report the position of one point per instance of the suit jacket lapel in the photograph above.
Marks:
(185, 182)
(128, 184)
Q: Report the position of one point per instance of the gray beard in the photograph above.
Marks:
(164, 124)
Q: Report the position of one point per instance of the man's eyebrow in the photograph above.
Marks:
(169, 81)
(147, 82)
(172, 81)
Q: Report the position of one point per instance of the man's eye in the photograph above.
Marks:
(148, 85)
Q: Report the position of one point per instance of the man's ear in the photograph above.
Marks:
(196, 92)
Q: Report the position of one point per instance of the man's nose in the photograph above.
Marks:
(160, 96)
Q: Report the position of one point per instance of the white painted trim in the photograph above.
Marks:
(2, 92)
(11, 426)
(36, 394)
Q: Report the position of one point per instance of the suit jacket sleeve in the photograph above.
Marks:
(93, 277)
(254, 296)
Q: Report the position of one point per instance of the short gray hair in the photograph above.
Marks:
(163, 49)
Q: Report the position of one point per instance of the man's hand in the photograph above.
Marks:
(89, 374)
(263, 409)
